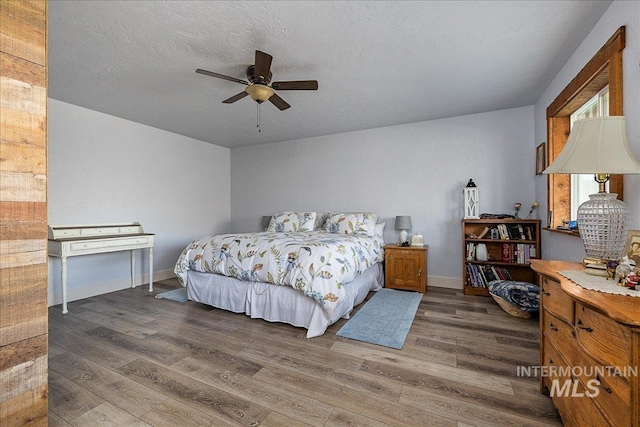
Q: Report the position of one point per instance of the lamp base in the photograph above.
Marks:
(403, 236)
(602, 226)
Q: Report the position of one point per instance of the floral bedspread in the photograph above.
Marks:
(317, 263)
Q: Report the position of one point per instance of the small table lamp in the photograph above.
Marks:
(599, 146)
(403, 223)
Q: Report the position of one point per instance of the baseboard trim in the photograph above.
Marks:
(55, 298)
(444, 282)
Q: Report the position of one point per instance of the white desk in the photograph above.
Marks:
(74, 240)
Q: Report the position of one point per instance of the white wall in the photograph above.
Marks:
(417, 169)
(103, 169)
(620, 13)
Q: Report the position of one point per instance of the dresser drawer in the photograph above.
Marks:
(556, 300)
(604, 339)
(560, 372)
(562, 336)
(554, 362)
(586, 413)
(613, 391)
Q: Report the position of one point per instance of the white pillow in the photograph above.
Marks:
(380, 228)
(284, 222)
(351, 223)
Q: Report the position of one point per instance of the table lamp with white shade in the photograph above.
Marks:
(599, 146)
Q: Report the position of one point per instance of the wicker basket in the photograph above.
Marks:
(514, 311)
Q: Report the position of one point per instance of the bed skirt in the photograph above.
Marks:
(277, 303)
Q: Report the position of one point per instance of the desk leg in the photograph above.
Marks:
(133, 269)
(63, 274)
(151, 269)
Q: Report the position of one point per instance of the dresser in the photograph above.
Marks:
(74, 240)
(405, 267)
(589, 350)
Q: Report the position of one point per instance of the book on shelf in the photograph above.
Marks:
(514, 233)
(471, 251)
(479, 276)
(520, 253)
(484, 232)
(502, 230)
(488, 273)
(471, 277)
(529, 232)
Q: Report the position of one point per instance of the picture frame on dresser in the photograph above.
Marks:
(632, 246)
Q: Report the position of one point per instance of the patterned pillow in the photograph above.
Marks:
(292, 221)
(351, 223)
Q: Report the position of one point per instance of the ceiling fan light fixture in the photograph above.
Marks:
(259, 93)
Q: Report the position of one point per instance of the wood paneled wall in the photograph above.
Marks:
(23, 213)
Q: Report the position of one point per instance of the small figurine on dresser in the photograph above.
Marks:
(625, 273)
(632, 281)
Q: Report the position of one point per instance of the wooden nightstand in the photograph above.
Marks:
(405, 267)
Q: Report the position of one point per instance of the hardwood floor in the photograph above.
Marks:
(128, 359)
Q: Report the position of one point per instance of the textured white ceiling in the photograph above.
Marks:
(378, 63)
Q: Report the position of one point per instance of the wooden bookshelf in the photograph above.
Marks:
(509, 253)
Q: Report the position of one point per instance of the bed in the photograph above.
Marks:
(302, 271)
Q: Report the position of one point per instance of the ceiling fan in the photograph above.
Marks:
(259, 77)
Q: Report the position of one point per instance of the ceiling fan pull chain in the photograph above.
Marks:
(258, 124)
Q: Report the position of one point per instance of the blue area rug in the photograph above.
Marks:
(385, 319)
(179, 295)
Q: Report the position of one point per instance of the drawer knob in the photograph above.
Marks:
(546, 293)
(584, 328)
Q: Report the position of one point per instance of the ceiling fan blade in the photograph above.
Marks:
(296, 85)
(221, 76)
(279, 102)
(263, 65)
(235, 98)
